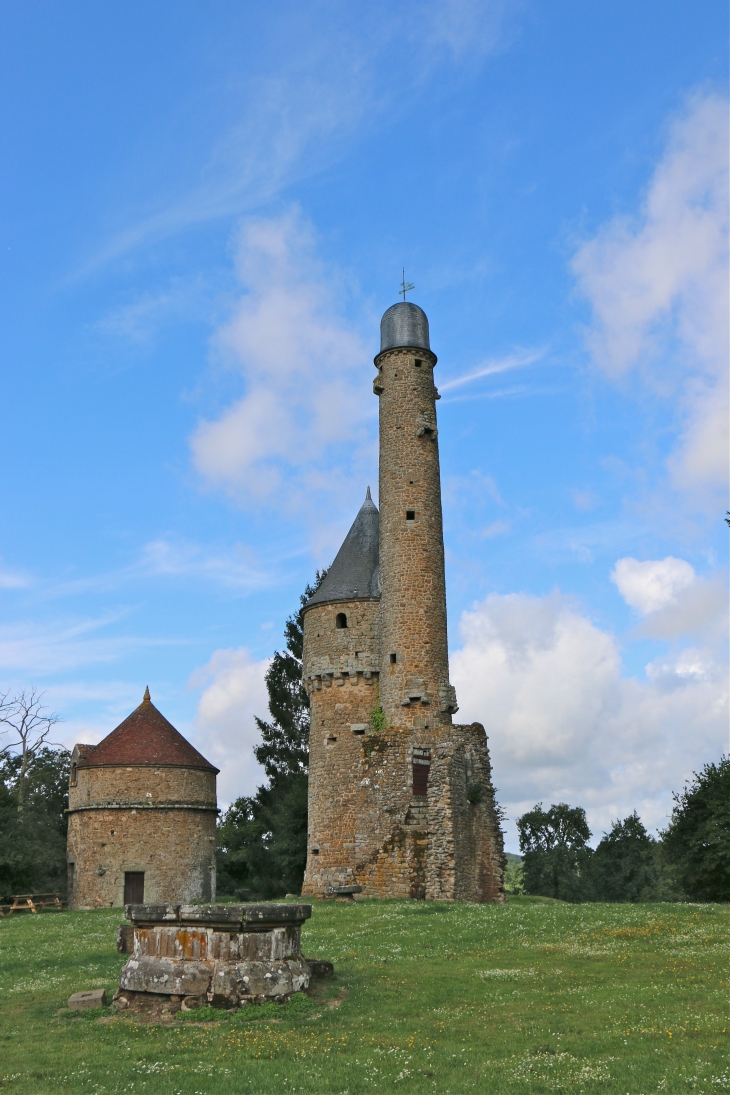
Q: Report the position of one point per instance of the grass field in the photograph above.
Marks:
(529, 997)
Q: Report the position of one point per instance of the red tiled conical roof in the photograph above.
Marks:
(145, 737)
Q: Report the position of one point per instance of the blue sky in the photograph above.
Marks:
(205, 210)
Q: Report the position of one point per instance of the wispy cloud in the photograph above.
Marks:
(60, 645)
(13, 579)
(236, 568)
(138, 320)
(331, 81)
(517, 360)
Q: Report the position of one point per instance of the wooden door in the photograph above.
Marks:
(134, 887)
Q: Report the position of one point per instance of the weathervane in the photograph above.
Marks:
(405, 286)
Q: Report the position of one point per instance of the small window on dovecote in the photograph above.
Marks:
(73, 778)
(410, 515)
(393, 659)
(340, 620)
(418, 363)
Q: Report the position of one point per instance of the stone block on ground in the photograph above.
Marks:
(93, 998)
(320, 968)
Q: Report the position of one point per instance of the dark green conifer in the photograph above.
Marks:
(262, 840)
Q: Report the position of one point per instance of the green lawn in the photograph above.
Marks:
(529, 997)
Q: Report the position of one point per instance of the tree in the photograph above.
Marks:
(624, 865)
(697, 839)
(25, 719)
(33, 840)
(262, 840)
(554, 844)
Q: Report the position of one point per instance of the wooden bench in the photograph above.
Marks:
(32, 902)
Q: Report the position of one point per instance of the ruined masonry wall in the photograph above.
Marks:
(375, 832)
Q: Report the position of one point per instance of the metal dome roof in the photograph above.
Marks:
(404, 324)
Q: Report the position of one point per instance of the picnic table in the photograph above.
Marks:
(32, 902)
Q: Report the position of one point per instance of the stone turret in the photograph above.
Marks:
(401, 802)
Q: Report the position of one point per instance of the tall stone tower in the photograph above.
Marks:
(401, 801)
(414, 671)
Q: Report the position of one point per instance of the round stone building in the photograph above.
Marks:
(142, 814)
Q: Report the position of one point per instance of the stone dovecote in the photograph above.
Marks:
(401, 800)
(142, 813)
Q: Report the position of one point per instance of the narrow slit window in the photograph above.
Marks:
(340, 620)
(393, 659)
(410, 515)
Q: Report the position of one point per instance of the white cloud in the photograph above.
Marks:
(658, 287)
(225, 731)
(654, 584)
(565, 725)
(301, 424)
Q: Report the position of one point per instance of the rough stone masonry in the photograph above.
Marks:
(401, 801)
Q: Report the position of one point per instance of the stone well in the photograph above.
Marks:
(225, 955)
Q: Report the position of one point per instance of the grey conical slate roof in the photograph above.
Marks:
(354, 573)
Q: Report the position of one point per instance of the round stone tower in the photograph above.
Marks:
(142, 813)
(340, 667)
(414, 673)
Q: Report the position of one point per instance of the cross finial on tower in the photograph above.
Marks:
(405, 286)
